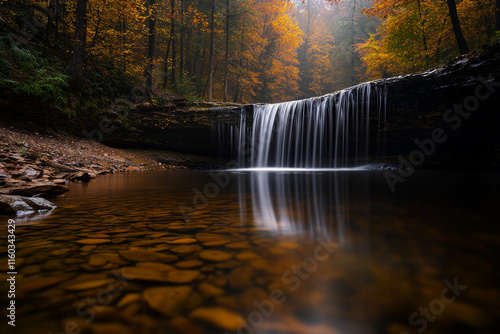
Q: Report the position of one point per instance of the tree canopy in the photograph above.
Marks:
(248, 50)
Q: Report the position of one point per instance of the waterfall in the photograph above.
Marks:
(331, 131)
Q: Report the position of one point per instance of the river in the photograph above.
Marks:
(264, 252)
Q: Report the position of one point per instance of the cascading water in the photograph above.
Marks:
(331, 131)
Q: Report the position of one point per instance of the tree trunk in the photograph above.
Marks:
(57, 19)
(211, 62)
(151, 47)
(172, 36)
(207, 82)
(353, 61)
(424, 36)
(77, 62)
(167, 53)
(226, 65)
(497, 15)
(165, 65)
(462, 44)
(181, 46)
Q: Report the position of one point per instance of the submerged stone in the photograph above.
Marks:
(219, 317)
(129, 299)
(167, 300)
(93, 241)
(183, 241)
(215, 255)
(189, 264)
(87, 285)
(96, 260)
(209, 290)
(186, 249)
(138, 255)
(155, 266)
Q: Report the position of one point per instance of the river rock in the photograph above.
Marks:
(182, 325)
(186, 249)
(238, 245)
(209, 290)
(96, 260)
(173, 276)
(59, 252)
(87, 285)
(155, 266)
(183, 241)
(88, 248)
(40, 282)
(182, 276)
(245, 256)
(167, 300)
(143, 274)
(189, 264)
(139, 255)
(216, 243)
(219, 317)
(80, 176)
(129, 299)
(59, 181)
(29, 174)
(215, 255)
(92, 241)
(41, 189)
(10, 204)
(113, 258)
(241, 277)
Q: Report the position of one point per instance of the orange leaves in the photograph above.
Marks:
(316, 68)
(270, 44)
(417, 34)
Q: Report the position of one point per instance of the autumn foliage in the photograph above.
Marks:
(253, 50)
(417, 34)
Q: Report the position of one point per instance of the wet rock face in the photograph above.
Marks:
(10, 204)
(186, 129)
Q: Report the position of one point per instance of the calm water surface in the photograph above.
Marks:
(263, 252)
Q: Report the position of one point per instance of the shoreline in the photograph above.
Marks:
(35, 167)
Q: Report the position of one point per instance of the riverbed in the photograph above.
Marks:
(263, 252)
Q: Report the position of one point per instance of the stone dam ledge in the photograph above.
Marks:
(461, 98)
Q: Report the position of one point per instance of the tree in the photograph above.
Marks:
(271, 71)
(77, 62)
(172, 38)
(497, 15)
(462, 44)
(226, 62)
(415, 35)
(151, 46)
(315, 56)
(211, 57)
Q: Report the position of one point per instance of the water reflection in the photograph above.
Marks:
(296, 202)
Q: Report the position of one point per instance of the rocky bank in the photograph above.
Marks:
(35, 167)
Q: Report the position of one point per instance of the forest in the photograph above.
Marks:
(250, 166)
(227, 50)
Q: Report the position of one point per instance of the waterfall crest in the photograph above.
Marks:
(331, 131)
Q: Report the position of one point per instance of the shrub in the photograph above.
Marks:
(26, 72)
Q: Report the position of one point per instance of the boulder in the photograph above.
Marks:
(41, 189)
(3, 171)
(80, 176)
(10, 204)
(28, 174)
